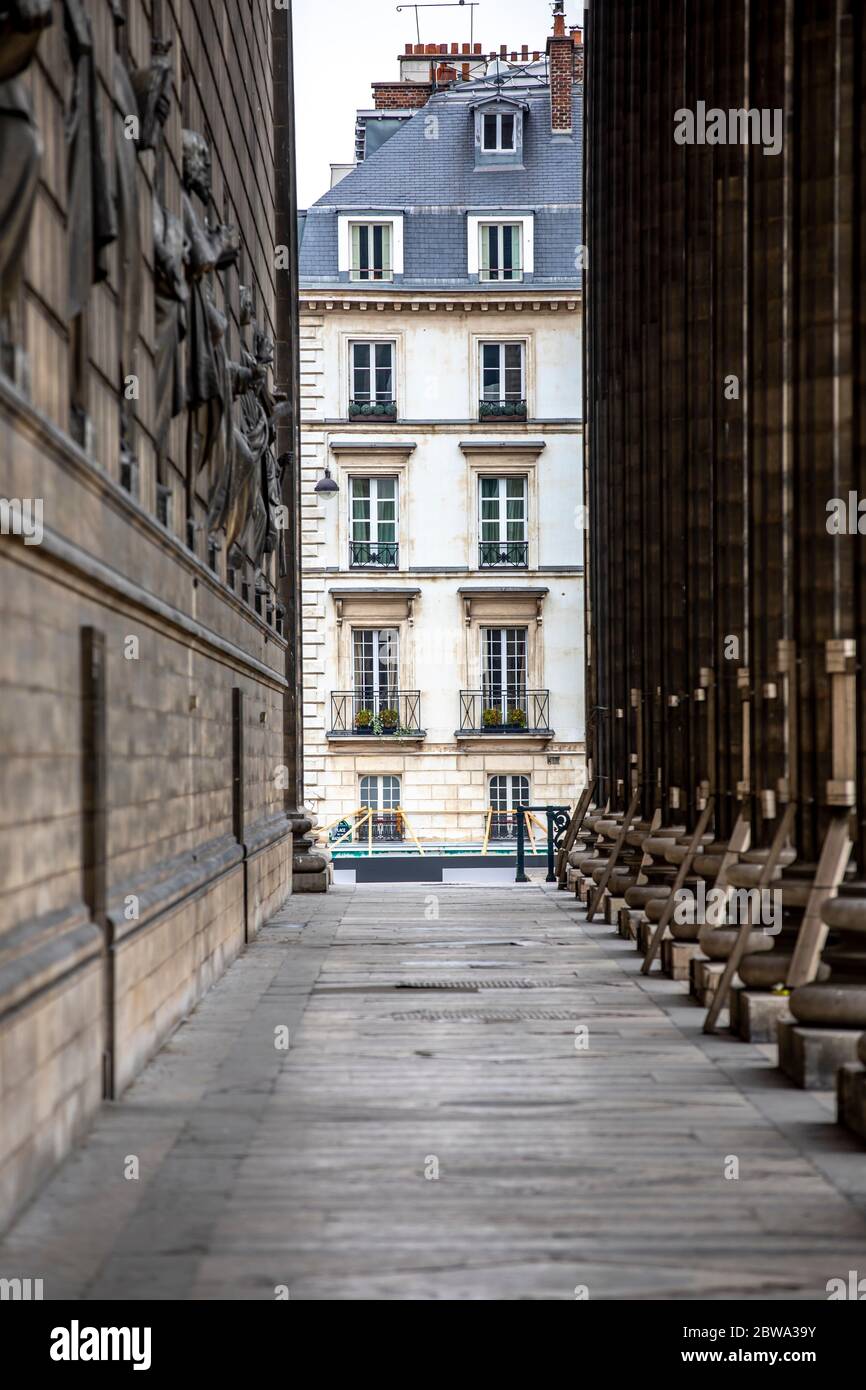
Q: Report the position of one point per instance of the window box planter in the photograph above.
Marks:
(502, 410)
(372, 410)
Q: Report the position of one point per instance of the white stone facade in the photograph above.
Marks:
(439, 597)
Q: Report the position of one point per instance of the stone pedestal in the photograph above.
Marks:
(677, 957)
(645, 931)
(811, 1057)
(311, 863)
(830, 1017)
(704, 978)
(612, 908)
(851, 1097)
(755, 1014)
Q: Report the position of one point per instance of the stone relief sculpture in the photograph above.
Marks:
(91, 223)
(152, 87)
(252, 519)
(21, 26)
(143, 95)
(170, 253)
(212, 381)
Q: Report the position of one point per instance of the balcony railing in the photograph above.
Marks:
(375, 554)
(500, 711)
(372, 410)
(501, 410)
(377, 715)
(507, 554)
(371, 272)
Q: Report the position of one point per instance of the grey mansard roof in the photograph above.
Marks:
(433, 182)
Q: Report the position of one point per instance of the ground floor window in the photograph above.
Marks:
(506, 793)
(381, 795)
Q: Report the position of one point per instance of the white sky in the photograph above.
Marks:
(341, 46)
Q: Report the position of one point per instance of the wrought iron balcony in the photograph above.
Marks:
(501, 410)
(505, 712)
(373, 554)
(504, 554)
(367, 713)
(372, 410)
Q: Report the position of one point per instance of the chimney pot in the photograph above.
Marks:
(535, 57)
(431, 48)
(477, 48)
(455, 48)
(503, 51)
(419, 48)
(465, 72)
(524, 52)
(514, 57)
(466, 48)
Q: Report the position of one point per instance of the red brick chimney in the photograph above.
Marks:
(577, 40)
(560, 58)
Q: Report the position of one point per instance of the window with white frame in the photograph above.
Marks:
(375, 654)
(374, 522)
(502, 373)
(502, 516)
(500, 255)
(506, 792)
(504, 658)
(371, 251)
(381, 796)
(498, 131)
(371, 374)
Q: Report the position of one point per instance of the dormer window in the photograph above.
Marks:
(371, 251)
(498, 132)
(370, 246)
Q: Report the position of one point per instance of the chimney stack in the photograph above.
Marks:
(561, 55)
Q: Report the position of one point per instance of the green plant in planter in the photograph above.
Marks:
(363, 719)
(491, 718)
(518, 717)
(390, 718)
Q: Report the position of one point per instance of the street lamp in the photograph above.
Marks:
(326, 488)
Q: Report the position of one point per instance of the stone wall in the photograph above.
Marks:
(145, 829)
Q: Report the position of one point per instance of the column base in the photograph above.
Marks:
(851, 1097)
(811, 1057)
(677, 957)
(755, 1014)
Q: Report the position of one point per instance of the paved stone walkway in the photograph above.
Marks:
(433, 1029)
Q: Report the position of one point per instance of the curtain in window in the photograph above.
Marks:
(515, 509)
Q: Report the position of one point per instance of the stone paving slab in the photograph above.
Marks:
(559, 1167)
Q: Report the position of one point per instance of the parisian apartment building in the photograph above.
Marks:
(442, 450)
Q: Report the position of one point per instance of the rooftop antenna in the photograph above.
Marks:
(470, 5)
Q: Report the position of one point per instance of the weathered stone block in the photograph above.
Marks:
(811, 1057)
(851, 1097)
(677, 957)
(756, 1013)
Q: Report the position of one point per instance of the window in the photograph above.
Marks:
(502, 516)
(499, 257)
(502, 373)
(503, 685)
(381, 795)
(505, 794)
(371, 383)
(374, 522)
(371, 251)
(498, 131)
(376, 673)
